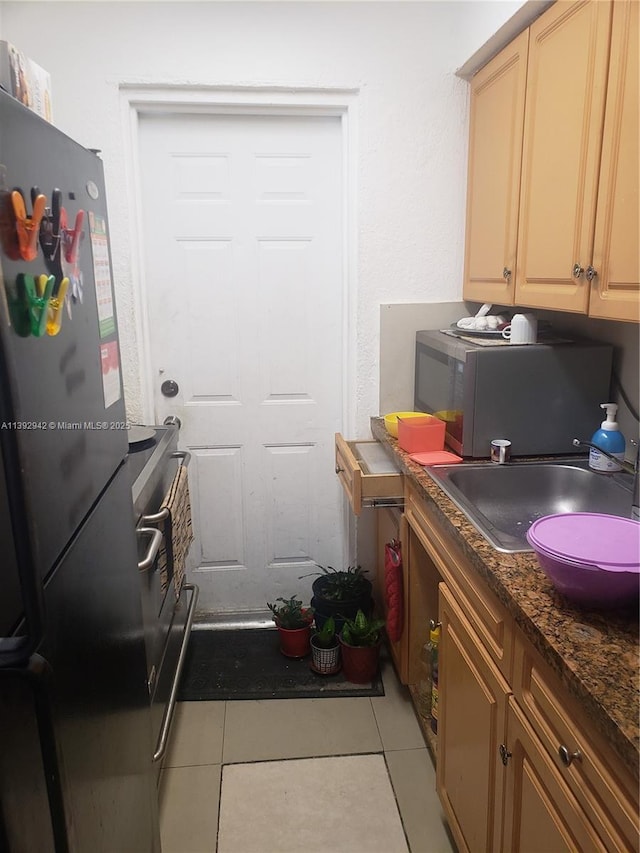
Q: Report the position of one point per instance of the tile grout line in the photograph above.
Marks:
(224, 730)
(395, 796)
(384, 758)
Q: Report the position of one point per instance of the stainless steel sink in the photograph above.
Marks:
(503, 501)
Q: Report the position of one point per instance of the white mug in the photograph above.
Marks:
(523, 329)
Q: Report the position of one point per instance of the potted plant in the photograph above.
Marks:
(360, 641)
(340, 593)
(294, 626)
(325, 649)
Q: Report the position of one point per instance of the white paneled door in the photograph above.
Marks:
(243, 234)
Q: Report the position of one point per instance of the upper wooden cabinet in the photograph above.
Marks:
(615, 290)
(566, 87)
(495, 153)
(578, 159)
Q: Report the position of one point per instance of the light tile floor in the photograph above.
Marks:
(208, 735)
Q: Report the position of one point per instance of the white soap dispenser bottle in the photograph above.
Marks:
(609, 438)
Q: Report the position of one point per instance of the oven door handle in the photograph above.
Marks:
(163, 514)
(161, 746)
(154, 546)
(156, 517)
(184, 455)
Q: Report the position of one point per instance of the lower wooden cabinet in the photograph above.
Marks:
(541, 813)
(473, 699)
(509, 734)
(507, 727)
(580, 756)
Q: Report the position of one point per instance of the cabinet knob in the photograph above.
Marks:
(505, 755)
(567, 757)
(577, 270)
(339, 470)
(506, 273)
(592, 272)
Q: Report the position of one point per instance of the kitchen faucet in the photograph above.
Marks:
(629, 467)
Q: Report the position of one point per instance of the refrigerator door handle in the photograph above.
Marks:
(154, 546)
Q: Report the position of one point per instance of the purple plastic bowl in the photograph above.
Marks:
(589, 585)
(589, 538)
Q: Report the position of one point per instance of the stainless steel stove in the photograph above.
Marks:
(153, 463)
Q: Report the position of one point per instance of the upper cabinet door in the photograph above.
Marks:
(615, 289)
(495, 155)
(566, 86)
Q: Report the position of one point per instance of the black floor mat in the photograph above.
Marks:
(246, 663)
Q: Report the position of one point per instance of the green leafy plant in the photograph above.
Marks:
(341, 584)
(363, 630)
(325, 637)
(290, 614)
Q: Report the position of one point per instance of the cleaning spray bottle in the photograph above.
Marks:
(609, 438)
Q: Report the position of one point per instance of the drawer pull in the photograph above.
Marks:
(339, 470)
(567, 757)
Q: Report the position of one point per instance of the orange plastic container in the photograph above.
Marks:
(416, 435)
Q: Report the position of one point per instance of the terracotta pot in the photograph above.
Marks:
(325, 661)
(294, 642)
(359, 663)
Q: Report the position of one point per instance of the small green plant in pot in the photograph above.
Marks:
(325, 649)
(340, 593)
(293, 621)
(360, 641)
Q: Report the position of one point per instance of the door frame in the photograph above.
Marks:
(137, 100)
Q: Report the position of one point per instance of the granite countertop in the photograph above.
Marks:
(595, 654)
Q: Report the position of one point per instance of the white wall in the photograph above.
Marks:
(412, 118)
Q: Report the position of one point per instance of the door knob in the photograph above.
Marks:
(169, 388)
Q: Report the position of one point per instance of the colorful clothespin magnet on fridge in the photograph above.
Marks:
(8, 230)
(40, 308)
(18, 303)
(37, 295)
(71, 237)
(8, 234)
(50, 233)
(28, 227)
(56, 303)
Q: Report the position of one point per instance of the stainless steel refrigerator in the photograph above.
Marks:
(75, 733)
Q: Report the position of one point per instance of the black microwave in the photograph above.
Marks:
(538, 396)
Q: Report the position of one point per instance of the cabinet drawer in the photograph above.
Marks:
(365, 482)
(480, 606)
(608, 795)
